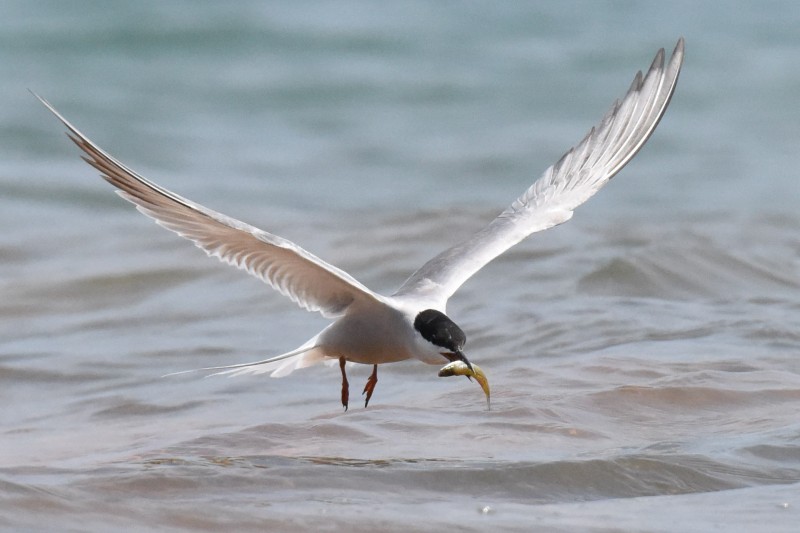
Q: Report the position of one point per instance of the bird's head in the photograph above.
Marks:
(436, 328)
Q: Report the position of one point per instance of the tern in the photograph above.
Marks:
(372, 329)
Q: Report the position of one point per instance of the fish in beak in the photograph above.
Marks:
(471, 370)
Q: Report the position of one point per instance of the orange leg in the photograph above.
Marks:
(345, 384)
(371, 382)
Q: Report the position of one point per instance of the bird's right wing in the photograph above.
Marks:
(304, 278)
(578, 175)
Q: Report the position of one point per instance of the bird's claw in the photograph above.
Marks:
(370, 386)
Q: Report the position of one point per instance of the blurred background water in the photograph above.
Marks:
(644, 357)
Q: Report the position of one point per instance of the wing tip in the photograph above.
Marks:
(658, 60)
(679, 47)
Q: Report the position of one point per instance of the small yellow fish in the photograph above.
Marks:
(460, 368)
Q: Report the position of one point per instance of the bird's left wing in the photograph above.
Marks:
(304, 278)
(550, 201)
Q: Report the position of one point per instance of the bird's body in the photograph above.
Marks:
(369, 328)
(375, 334)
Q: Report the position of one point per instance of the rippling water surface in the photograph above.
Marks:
(644, 357)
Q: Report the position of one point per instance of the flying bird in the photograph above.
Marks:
(373, 329)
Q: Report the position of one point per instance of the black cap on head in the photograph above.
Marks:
(435, 327)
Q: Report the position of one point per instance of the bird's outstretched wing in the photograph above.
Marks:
(550, 201)
(307, 280)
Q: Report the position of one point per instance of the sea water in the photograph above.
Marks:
(644, 358)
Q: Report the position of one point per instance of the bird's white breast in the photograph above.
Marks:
(377, 335)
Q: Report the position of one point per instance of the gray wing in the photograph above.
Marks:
(550, 201)
(307, 280)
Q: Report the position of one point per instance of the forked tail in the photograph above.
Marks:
(281, 365)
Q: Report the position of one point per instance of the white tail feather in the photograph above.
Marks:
(280, 365)
(279, 368)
